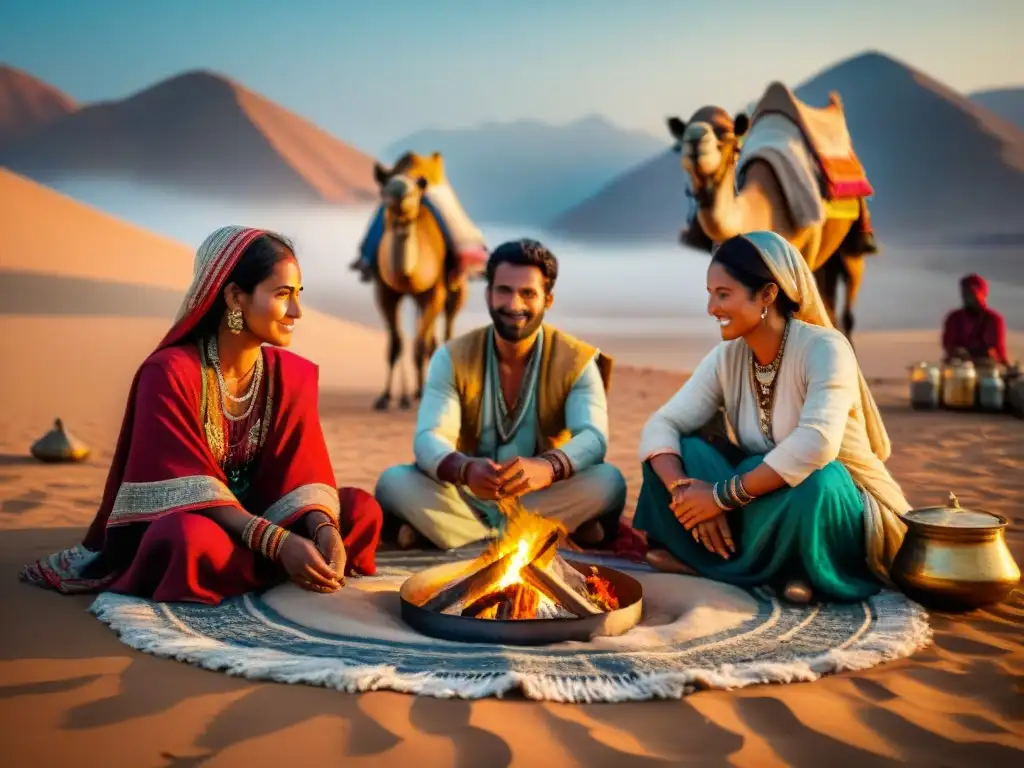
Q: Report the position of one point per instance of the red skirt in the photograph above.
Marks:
(186, 557)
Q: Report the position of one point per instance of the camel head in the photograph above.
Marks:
(429, 167)
(709, 146)
(402, 196)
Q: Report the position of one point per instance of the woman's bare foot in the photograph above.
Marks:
(797, 592)
(407, 537)
(663, 561)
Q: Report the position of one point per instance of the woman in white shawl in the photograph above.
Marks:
(798, 494)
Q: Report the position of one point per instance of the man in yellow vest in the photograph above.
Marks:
(514, 409)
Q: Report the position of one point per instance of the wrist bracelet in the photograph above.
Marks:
(460, 477)
(561, 467)
(322, 524)
(730, 494)
(263, 537)
(716, 493)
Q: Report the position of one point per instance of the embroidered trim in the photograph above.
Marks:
(63, 571)
(305, 497)
(213, 427)
(141, 502)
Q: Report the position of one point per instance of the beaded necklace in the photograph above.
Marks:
(763, 378)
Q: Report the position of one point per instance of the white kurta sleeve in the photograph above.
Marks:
(690, 408)
(440, 415)
(830, 372)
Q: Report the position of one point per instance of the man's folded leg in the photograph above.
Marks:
(437, 511)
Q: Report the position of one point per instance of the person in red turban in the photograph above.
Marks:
(975, 331)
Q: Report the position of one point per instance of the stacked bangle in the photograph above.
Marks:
(560, 464)
(262, 536)
(730, 494)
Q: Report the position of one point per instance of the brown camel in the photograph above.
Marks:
(411, 262)
(710, 147)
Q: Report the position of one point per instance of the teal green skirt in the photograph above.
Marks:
(813, 531)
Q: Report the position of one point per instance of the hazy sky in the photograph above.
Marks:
(373, 71)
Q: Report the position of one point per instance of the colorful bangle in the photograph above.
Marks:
(276, 539)
(253, 532)
(262, 536)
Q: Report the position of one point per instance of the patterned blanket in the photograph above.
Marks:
(694, 634)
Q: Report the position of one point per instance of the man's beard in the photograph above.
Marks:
(509, 331)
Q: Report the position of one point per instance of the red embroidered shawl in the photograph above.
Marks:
(165, 458)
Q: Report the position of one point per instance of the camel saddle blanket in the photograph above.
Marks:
(778, 142)
(464, 235)
(826, 133)
(463, 240)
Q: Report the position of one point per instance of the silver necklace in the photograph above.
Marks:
(764, 386)
(254, 384)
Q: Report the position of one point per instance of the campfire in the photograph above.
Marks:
(519, 579)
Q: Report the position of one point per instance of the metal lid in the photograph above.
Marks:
(954, 516)
(58, 443)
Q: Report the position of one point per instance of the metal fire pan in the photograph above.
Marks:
(522, 631)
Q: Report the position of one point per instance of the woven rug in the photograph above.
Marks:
(695, 634)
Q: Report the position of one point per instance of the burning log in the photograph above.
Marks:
(478, 607)
(517, 601)
(480, 579)
(551, 583)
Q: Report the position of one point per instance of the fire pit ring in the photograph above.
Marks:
(522, 631)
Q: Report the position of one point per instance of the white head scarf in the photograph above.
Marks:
(796, 280)
(884, 502)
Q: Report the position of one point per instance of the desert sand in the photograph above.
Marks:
(84, 299)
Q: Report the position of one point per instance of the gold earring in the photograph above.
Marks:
(235, 324)
(764, 313)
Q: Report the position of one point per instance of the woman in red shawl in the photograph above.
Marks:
(221, 482)
(975, 332)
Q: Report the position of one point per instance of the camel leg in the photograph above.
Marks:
(430, 304)
(853, 274)
(388, 302)
(453, 304)
(827, 279)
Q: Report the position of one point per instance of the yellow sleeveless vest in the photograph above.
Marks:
(562, 360)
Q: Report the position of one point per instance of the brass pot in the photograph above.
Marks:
(954, 558)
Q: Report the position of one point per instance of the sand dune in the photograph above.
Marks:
(199, 132)
(942, 166)
(28, 104)
(71, 693)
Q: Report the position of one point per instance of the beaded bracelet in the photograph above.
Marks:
(262, 536)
